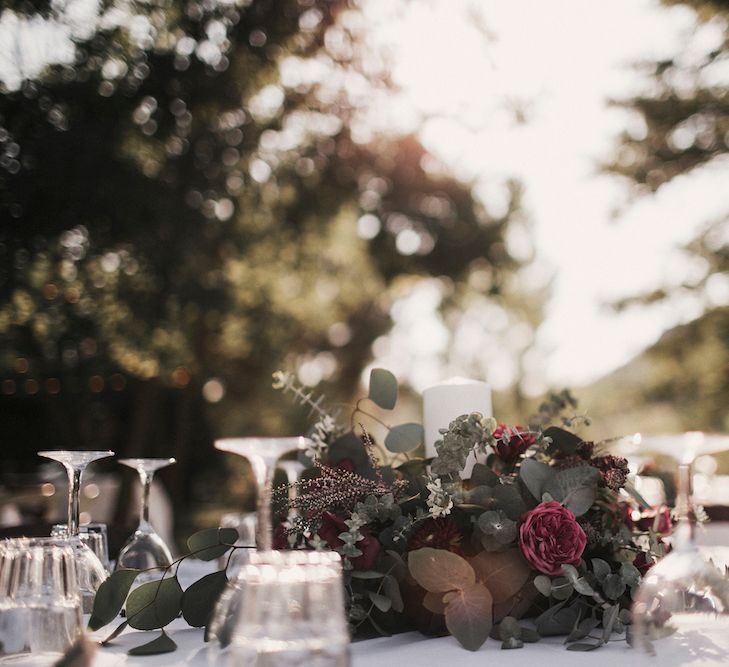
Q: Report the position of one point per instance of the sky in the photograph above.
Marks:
(463, 65)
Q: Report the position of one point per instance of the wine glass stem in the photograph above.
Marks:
(74, 505)
(684, 533)
(146, 479)
(264, 532)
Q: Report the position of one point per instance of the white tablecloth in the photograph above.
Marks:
(412, 649)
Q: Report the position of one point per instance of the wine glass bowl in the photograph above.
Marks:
(145, 549)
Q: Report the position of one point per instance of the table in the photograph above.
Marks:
(411, 649)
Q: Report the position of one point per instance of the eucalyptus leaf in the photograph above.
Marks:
(212, 543)
(584, 628)
(110, 597)
(543, 584)
(582, 586)
(562, 588)
(468, 615)
(404, 437)
(154, 604)
(584, 646)
(557, 620)
(508, 498)
(609, 616)
(392, 590)
(570, 479)
(535, 476)
(629, 574)
(483, 475)
(439, 571)
(383, 388)
(601, 568)
(509, 627)
(198, 600)
(613, 586)
(565, 441)
(580, 500)
(162, 644)
(382, 602)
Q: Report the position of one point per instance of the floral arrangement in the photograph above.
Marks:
(506, 522)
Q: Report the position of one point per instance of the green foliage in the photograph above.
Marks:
(464, 434)
(154, 604)
(110, 597)
(212, 543)
(383, 388)
(198, 600)
(162, 644)
(404, 438)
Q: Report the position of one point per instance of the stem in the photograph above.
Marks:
(74, 501)
(264, 476)
(684, 534)
(146, 478)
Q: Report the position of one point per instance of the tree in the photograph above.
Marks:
(683, 127)
(188, 205)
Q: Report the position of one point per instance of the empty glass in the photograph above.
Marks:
(291, 612)
(681, 610)
(40, 602)
(92, 535)
(262, 454)
(90, 571)
(145, 549)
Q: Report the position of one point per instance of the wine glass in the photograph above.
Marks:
(145, 549)
(40, 602)
(681, 609)
(262, 454)
(293, 470)
(292, 612)
(89, 569)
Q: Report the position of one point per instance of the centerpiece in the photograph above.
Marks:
(503, 523)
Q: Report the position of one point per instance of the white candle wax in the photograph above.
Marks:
(442, 403)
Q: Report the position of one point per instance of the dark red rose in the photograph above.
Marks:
(550, 537)
(658, 519)
(441, 533)
(332, 526)
(516, 442)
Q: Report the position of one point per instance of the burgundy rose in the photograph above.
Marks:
(441, 533)
(511, 443)
(332, 526)
(550, 537)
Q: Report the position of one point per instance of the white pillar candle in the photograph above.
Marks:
(442, 403)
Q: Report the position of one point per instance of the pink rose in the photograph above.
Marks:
(550, 537)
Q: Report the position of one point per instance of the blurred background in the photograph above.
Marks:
(197, 193)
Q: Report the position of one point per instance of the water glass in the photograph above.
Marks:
(40, 602)
(93, 535)
(291, 612)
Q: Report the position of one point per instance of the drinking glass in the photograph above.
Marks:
(93, 537)
(40, 602)
(681, 610)
(89, 569)
(262, 454)
(145, 549)
(291, 612)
